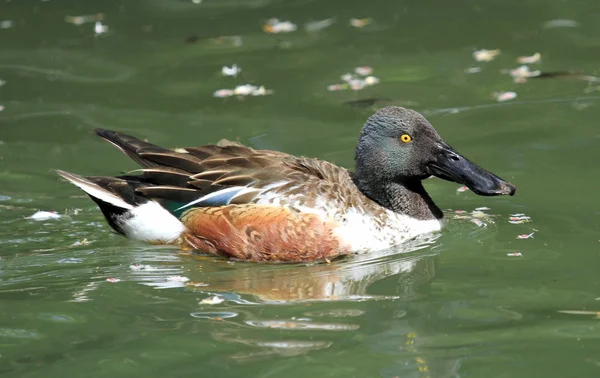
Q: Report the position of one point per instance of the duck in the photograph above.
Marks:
(231, 200)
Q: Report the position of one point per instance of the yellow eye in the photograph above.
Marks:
(405, 138)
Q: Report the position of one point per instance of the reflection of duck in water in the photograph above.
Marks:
(266, 205)
(347, 279)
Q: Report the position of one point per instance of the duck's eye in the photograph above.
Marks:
(405, 138)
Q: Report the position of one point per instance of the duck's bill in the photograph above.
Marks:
(451, 166)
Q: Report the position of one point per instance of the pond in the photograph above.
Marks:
(473, 301)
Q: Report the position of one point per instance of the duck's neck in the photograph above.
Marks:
(404, 196)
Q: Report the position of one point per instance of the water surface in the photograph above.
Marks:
(456, 304)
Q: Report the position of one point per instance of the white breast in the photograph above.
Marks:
(362, 233)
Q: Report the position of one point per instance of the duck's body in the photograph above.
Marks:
(259, 205)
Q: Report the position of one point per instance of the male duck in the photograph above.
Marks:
(260, 205)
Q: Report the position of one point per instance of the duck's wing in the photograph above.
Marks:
(222, 174)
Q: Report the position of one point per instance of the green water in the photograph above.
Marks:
(453, 306)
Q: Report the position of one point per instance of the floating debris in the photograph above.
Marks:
(371, 80)
(196, 284)
(526, 236)
(315, 26)
(478, 214)
(80, 243)
(274, 26)
(363, 71)
(84, 19)
(177, 279)
(504, 96)
(231, 71)
(141, 267)
(243, 90)
(460, 212)
(261, 91)
(462, 189)
(100, 28)
(212, 300)
(1, 108)
(478, 222)
(337, 87)
(482, 208)
(221, 93)
(515, 254)
(360, 22)
(484, 55)
(356, 81)
(519, 219)
(579, 312)
(535, 58)
(522, 73)
(473, 70)
(113, 280)
(560, 23)
(6, 24)
(44, 215)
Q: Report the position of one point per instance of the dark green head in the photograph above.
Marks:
(398, 145)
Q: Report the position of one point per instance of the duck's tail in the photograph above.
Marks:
(125, 210)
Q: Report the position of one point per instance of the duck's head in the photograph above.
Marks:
(400, 145)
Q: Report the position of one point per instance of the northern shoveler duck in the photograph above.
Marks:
(261, 205)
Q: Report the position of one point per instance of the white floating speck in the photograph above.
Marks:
(221, 93)
(177, 279)
(360, 22)
(100, 28)
(515, 254)
(337, 87)
(261, 91)
(6, 24)
(363, 71)
(44, 215)
(231, 71)
(140, 267)
(535, 58)
(371, 80)
(472, 70)
(484, 55)
(526, 236)
(504, 96)
(212, 300)
(347, 77)
(560, 23)
(522, 73)
(462, 189)
(244, 90)
(274, 26)
(113, 280)
(482, 208)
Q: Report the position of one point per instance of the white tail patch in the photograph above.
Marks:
(151, 222)
(94, 190)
